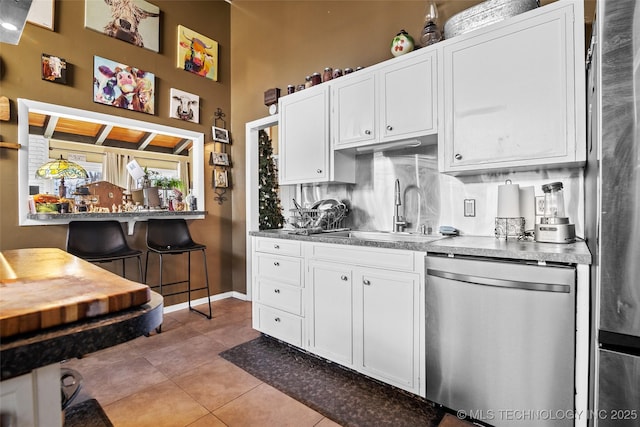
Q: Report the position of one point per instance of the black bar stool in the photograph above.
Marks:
(172, 237)
(101, 241)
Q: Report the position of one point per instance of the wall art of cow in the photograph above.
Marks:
(197, 54)
(184, 106)
(133, 21)
(54, 69)
(123, 86)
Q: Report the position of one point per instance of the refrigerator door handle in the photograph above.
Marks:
(485, 281)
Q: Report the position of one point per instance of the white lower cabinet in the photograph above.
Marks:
(33, 399)
(278, 283)
(330, 299)
(388, 326)
(360, 307)
(367, 318)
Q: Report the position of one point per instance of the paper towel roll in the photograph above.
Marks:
(508, 200)
(528, 207)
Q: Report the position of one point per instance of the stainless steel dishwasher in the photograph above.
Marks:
(500, 340)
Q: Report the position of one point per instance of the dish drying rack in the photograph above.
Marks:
(319, 219)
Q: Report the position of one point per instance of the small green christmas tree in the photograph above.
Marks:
(268, 199)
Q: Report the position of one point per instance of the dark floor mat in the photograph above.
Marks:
(346, 397)
(86, 414)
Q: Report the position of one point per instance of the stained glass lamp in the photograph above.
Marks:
(61, 168)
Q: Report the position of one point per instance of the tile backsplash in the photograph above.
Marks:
(432, 198)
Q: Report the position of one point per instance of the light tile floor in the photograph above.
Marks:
(177, 378)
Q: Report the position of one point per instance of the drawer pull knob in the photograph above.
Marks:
(277, 291)
(276, 246)
(367, 132)
(458, 156)
(389, 127)
(344, 277)
(366, 282)
(276, 263)
(277, 319)
(319, 170)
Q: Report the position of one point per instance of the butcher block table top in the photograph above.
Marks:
(45, 287)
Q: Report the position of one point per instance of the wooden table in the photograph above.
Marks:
(106, 310)
(45, 287)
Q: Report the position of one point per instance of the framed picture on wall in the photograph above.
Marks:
(220, 134)
(184, 106)
(133, 21)
(220, 159)
(197, 54)
(123, 86)
(54, 69)
(41, 13)
(220, 178)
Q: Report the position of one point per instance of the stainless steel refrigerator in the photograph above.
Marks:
(613, 212)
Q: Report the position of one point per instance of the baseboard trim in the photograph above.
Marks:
(218, 297)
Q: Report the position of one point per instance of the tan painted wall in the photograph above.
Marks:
(21, 79)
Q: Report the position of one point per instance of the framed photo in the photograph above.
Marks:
(220, 179)
(197, 54)
(220, 134)
(123, 86)
(184, 106)
(54, 69)
(42, 13)
(220, 159)
(133, 21)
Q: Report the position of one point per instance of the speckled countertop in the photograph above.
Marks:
(23, 353)
(481, 246)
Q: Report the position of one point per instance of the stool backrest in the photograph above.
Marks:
(95, 238)
(164, 233)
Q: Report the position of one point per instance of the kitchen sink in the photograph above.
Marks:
(386, 236)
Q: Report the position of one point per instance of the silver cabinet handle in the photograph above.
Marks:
(343, 277)
(276, 263)
(277, 291)
(318, 170)
(366, 282)
(458, 156)
(389, 127)
(367, 132)
(277, 319)
(276, 246)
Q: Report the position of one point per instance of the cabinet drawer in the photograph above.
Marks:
(278, 246)
(284, 269)
(281, 325)
(279, 296)
(382, 258)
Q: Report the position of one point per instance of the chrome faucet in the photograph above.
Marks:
(399, 222)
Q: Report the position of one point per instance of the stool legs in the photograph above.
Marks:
(206, 275)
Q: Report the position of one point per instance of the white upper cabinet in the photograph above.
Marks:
(514, 94)
(354, 110)
(304, 142)
(392, 101)
(408, 97)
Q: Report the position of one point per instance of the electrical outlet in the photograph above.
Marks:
(469, 207)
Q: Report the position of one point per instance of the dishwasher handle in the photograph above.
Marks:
(486, 281)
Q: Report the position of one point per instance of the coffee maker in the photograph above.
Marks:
(554, 226)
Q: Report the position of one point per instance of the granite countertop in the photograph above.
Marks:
(115, 215)
(481, 246)
(23, 353)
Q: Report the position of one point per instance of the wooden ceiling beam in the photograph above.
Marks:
(50, 126)
(103, 134)
(146, 141)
